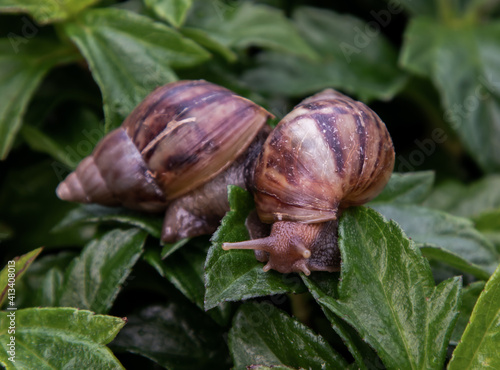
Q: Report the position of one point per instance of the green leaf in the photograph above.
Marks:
(493, 238)
(276, 367)
(462, 61)
(488, 221)
(489, 225)
(481, 340)
(470, 294)
(23, 64)
(259, 25)
(173, 11)
(29, 203)
(46, 11)
(456, 234)
(264, 335)
(5, 232)
(12, 273)
(351, 60)
(407, 188)
(67, 143)
(235, 275)
(56, 338)
(418, 7)
(446, 196)
(41, 284)
(129, 56)
(40, 142)
(452, 259)
(480, 201)
(97, 213)
(170, 248)
(185, 270)
(482, 196)
(204, 39)
(175, 336)
(244, 24)
(364, 355)
(94, 279)
(388, 295)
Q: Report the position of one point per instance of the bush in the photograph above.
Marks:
(419, 286)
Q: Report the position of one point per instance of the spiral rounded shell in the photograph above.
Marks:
(189, 131)
(180, 136)
(330, 152)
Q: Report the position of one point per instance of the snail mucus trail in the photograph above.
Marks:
(180, 148)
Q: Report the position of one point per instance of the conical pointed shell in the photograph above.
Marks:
(329, 152)
(190, 131)
(114, 174)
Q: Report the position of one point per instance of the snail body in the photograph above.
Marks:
(181, 137)
(329, 153)
(180, 148)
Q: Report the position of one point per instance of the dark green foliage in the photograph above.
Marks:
(72, 70)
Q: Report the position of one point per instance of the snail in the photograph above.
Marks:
(329, 153)
(180, 148)
(176, 152)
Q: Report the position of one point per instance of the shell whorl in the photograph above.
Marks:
(114, 174)
(330, 152)
(180, 136)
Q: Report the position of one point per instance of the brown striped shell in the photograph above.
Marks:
(329, 153)
(178, 138)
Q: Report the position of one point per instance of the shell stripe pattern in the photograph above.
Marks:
(181, 135)
(330, 152)
(208, 127)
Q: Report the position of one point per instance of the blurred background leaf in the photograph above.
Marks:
(353, 58)
(461, 60)
(174, 11)
(21, 71)
(46, 11)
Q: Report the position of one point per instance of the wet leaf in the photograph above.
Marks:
(388, 295)
(235, 275)
(470, 294)
(481, 339)
(60, 337)
(97, 213)
(455, 234)
(185, 270)
(93, 280)
(175, 336)
(12, 273)
(264, 335)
